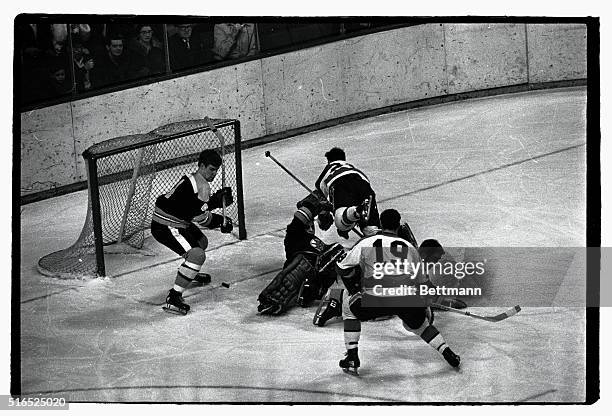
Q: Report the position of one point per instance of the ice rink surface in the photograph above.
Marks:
(504, 171)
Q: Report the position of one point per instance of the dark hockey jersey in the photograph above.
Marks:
(184, 203)
(335, 170)
(298, 239)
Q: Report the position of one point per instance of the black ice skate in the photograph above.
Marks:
(350, 364)
(453, 359)
(175, 303)
(329, 308)
(201, 279)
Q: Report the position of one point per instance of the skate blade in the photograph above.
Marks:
(174, 310)
(351, 371)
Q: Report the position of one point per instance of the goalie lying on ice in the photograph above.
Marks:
(309, 269)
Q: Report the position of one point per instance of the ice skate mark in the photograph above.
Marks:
(483, 172)
(410, 130)
(535, 396)
(278, 233)
(47, 295)
(522, 148)
(525, 149)
(231, 400)
(323, 92)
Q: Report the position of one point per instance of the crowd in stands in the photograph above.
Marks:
(62, 59)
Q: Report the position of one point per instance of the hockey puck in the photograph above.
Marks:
(225, 284)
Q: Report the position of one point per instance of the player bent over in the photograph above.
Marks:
(309, 268)
(430, 251)
(367, 303)
(187, 207)
(349, 191)
(331, 304)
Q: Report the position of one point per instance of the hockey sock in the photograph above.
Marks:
(189, 269)
(352, 332)
(349, 217)
(432, 336)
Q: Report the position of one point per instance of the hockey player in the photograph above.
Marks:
(349, 191)
(430, 250)
(365, 303)
(309, 268)
(331, 304)
(188, 207)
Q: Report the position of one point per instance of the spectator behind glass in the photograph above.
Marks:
(30, 43)
(234, 40)
(113, 65)
(43, 50)
(57, 49)
(186, 51)
(147, 55)
(56, 83)
(83, 65)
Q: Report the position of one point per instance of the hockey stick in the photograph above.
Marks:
(213, 128)
(333, 259)
(288, 172)
(131, 191)
(512, 311)
(359, 233)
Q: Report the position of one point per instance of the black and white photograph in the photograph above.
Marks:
(304, 209)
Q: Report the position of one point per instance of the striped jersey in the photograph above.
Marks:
(335, 170)
(372, 253)
(184, 203)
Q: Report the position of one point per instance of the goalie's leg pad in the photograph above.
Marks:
(330, 307)
(283, 290)
(194, 259)
(325, 275)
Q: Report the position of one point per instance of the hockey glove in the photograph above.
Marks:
(216, 200)
(325, 220)
(315, 203)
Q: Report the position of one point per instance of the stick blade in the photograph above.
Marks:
(510, 312)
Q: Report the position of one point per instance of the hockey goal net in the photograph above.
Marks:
(126, 174)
